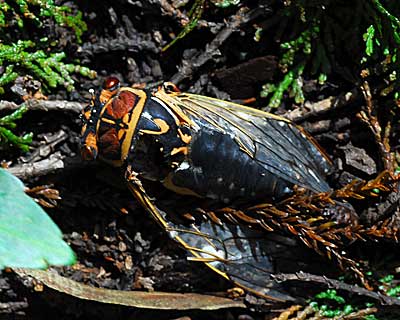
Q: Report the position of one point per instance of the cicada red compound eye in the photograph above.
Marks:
(111, 83)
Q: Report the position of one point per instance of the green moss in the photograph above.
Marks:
(292, 79)
(225, 3)
(330, 304)
(36, 11)
(387, 279)
(329, 38)
(20, 56)
(8, 137)
(48, 68)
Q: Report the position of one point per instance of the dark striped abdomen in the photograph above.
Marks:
(218, 169)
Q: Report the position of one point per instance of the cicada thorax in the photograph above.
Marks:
(161, 141)
(116, 124)
(128, 126)
(110, 122)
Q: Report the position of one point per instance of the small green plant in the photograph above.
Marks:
(7, 123)
(390, 286)
(329, 309)
(319, 39)
(21, 11)
(292, 80)
(382, 43)
(329, 304)
(19, 56)
(48, 68)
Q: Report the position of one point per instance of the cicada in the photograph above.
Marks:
(218, 152)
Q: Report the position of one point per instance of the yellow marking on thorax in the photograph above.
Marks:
(87, 114)
(184, 150)
(130, 119)
(164, 127)
(121, 133)
(162, 124)
(91, 140)
(110, 121)
(107, 94)
(133, 121)
(184, 137)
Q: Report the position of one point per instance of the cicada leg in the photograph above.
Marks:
(235, 252)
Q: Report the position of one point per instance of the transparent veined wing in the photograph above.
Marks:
(235, 251)
(280, 146)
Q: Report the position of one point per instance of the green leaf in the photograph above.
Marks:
(28, 237)
(368, 38)
(330, 294)
(225, 3)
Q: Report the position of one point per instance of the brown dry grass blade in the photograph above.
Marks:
(137, 299)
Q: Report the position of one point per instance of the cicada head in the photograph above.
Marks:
(91, 118)
(108, 122)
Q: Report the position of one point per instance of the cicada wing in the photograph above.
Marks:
(276, 143)
(235, 252)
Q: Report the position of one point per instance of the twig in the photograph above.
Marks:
(44, 105)
(323, 106)
(188, 67)
(39, 168)
(332, 283)
(169, 10)
(360, 314)
(46, 148)
(377, 213)
(44, 195)
(313, 314)
(284, 315)
(381, 137)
